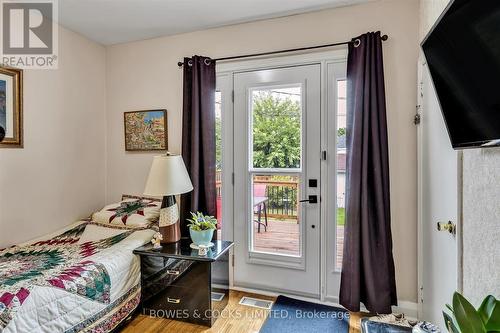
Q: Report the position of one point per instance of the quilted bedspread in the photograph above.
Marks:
(59, 262)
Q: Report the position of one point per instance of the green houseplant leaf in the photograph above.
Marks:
(489, 312)
(451, 325)
(200, 222)
(467, 317)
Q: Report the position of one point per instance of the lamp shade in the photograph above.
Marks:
(168, 176)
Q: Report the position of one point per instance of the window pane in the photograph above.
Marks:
(276, 221)
(341, 167)
(218, 159)
(276, 127)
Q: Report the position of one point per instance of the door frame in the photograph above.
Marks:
(225, 72)
(224, 83)
(420, 112)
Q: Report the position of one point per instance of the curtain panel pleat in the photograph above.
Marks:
(198, 137)
(368, 264)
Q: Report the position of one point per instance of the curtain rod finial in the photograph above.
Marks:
(180, 64)
(385, 37)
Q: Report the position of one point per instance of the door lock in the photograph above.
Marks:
(448, 226)
(312, 199)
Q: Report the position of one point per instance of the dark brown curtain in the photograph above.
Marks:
(198, 137)
(368, 264)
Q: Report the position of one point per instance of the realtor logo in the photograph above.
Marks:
(29, 33)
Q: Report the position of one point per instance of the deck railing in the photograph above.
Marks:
(282, 194)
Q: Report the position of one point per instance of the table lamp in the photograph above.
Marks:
(168, 177)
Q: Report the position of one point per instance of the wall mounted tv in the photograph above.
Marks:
(463, 55)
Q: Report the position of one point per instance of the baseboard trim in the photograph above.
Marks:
(264, 290)
(410, 309)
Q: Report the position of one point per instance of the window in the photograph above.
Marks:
(275, 166)
(276, 128)
(341, 167)
(218, 160)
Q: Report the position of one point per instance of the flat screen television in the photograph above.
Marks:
(463, 55)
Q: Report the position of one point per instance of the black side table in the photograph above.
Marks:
(179, 284)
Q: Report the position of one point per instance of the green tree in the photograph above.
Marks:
(276, 132)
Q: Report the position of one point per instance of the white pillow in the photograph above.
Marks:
(131, 213)
(96, 232)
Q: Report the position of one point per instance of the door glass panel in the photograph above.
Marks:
(218, 160)
(276, 137)
(341, 168)
(276, 218)
(276, 127)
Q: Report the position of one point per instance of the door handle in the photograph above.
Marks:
(312, 199)
(448, 226)
(173, 300)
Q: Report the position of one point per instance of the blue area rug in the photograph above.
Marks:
(291, 315)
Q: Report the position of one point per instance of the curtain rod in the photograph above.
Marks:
(384, 38)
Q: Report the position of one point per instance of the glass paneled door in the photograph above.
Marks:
(277, 168)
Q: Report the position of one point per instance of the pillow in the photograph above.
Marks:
(96, 232)
(130, 213)
(129, 196)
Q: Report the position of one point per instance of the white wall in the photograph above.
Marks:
(59, 175)
(429, 13)
(144, 75)
(480, 193)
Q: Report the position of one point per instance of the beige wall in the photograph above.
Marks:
(429, 13)
(59, 175)
(144, 75)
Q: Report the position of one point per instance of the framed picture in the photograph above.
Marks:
(11, 107)
(146, 130)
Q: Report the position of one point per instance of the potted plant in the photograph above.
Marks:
(464, 318)
(201, 228)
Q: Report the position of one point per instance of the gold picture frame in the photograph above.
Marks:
(11, 106)
(146, 130)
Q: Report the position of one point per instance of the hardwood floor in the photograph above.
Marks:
(244, 320)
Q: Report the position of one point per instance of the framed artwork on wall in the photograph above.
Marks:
(11, 107)
(146, 130)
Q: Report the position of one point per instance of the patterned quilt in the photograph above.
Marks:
(59, 262)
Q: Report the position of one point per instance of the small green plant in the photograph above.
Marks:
(200, 222)
(464, 318)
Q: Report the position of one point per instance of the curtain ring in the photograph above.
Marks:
(357, 42)
(190, 63)
(206, 61)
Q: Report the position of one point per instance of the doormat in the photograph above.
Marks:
(292, 315)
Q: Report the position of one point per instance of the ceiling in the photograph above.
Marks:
(117, 21)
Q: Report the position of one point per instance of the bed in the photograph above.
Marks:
(83, 278)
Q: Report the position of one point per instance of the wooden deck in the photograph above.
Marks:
(282, 237)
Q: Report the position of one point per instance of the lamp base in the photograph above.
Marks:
(169, 212)
(171, 234)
